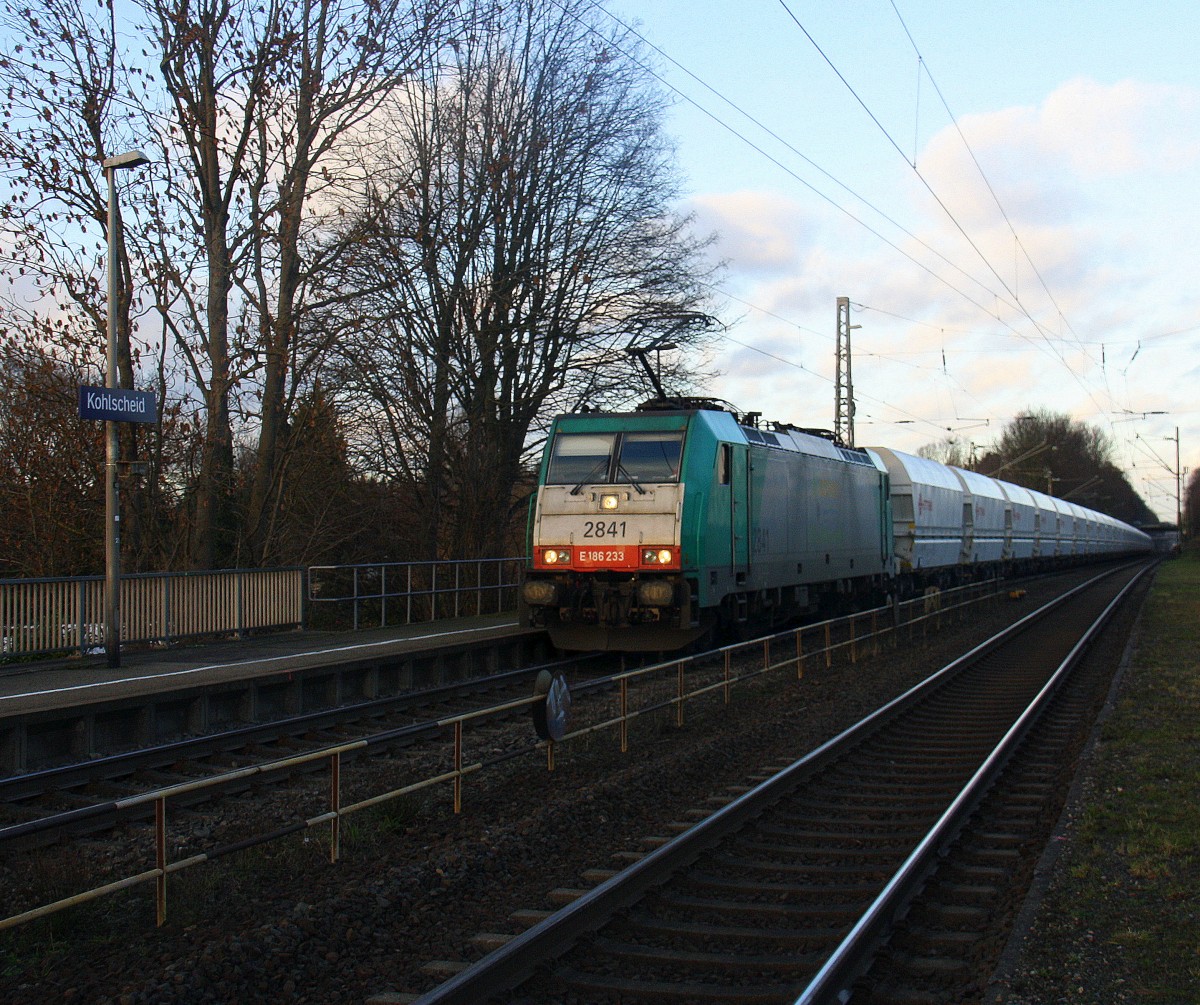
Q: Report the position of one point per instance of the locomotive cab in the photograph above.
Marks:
(606, 568)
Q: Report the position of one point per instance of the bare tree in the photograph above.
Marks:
(488, 271)
(51, 470)
(342, 59)
(70, 104)
(948, 450)
(1068, 459)
(522, 225)
(263, 98)
(214, 56)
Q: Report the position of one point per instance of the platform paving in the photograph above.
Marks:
(43, 685)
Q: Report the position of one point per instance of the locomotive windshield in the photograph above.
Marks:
(615, 458)
(580, 457)
(649, 457)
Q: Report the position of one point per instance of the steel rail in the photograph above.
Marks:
(334, 753)
(848, 962)
(518, 959)
(32, 784)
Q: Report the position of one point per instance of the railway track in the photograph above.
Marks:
(41, 807)
(870, 870)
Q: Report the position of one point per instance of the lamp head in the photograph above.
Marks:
(132, 158)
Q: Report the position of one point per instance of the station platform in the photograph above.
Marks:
(58, 684)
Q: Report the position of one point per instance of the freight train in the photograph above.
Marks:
(652, 529)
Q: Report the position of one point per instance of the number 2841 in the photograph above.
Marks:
(601, 528)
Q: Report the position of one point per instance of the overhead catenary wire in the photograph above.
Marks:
(768, 131)
(1087, 387)
(1045, 343)
(1008, 297)
(941, 203)
(922, 70)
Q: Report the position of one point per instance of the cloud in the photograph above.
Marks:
(1044, 160)
(1097, 182)
(1090, 180)
(1111, 131)
(765, 233)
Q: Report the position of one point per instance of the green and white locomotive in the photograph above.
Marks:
(650, 529)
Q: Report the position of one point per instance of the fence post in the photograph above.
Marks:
(80, 616)
(167, 612)
(458, 736)
(335, 805)
(241, 618)
(624, 716)
(160, 858)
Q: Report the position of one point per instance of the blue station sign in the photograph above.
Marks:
(117, 404)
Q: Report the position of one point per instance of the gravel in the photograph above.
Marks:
(417, 883)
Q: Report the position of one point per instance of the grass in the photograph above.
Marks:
(1121, 921)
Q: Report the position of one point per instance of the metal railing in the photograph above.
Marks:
(44, 616)
(662, 687)
(379, 594)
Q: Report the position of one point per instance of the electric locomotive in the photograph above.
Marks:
(651, 528)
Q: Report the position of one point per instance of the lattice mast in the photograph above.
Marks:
(843, 385)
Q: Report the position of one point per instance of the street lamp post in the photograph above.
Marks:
(112, 513)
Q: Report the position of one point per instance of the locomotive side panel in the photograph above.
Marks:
(819, 514)
(715, 514)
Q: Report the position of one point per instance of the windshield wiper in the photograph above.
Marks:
(599, 466)
(622, 470)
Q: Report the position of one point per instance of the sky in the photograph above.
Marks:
(1007, 193)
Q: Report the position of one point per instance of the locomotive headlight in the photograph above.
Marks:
(609, 501)
(657, 556)
(557, 556)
